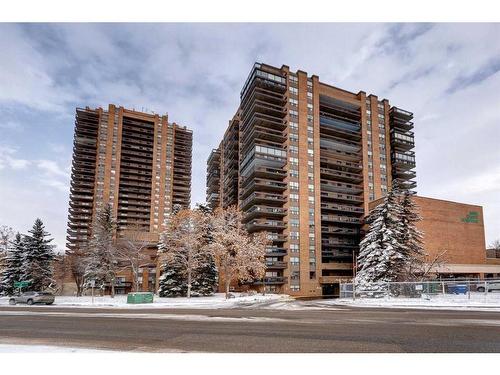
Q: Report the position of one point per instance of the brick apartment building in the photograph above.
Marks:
(137, 162)
(302, 159)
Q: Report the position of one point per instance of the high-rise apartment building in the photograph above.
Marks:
(139, 163)
(302, 159)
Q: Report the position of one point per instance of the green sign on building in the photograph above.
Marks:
(472, 217)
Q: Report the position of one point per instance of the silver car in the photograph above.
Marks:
(33, 297)
(491, 285)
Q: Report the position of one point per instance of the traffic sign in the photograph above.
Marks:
(21, 284)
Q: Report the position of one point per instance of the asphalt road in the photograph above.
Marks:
(247, 330)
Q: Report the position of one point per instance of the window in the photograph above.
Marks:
(294, 210)
(294, 149)
(294, 261)
(294, 185)
(294, 223)
(294, 248)
(309, 95)
(294, 288)
(294, 126)
(294, 197)
(311, 200)
(294, 235)
(294, 102)
(294, 79)
(294, 137)
(294, 90)
(294, 173)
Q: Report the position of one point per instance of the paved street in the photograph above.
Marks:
(344, 329)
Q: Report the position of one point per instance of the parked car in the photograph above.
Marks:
(31, 298)
(491, 285)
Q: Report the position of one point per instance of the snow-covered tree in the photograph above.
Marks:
(37, 267)
(12, 271)
(132, 252)
(172, 282)
(6, 237)
(412, 238)
(102, 258)
(382, 255)
(182, 243)
(205, 277)
(239, 256)
(76, 263)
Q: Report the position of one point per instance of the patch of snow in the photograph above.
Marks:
(15, 348)
(477, 301)
(217, 301)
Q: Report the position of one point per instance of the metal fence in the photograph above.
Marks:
(456, 289)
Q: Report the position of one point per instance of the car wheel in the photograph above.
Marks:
(30, 302)
(49, 303)
(12, 301)
(480, 289)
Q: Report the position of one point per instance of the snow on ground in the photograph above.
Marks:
(216, 301)
(15, 348)
(477, 301)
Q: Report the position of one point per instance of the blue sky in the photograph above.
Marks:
(447, 74)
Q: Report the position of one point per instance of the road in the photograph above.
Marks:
(343, 329)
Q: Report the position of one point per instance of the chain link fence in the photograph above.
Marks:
(436, 290)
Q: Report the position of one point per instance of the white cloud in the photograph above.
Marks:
(195, 72)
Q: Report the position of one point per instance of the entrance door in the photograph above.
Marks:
(331, 290)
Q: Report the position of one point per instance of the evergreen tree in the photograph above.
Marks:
(37, 265)
(13, 263)
(173, 282)
(411, 237)
(205, 278)
(383, 254)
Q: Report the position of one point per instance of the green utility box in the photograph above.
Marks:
(140, 297)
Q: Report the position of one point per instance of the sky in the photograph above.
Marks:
(448, 75)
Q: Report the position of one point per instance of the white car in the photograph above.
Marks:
(491, 285)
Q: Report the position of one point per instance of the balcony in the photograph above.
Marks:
(259, 224)
(276, 264)
(265, 211)
(333, 279)
(263, 198)
(329, 173)
(276, 251)
(271, 280)
(403, 163)
(402, 141)
(341, 219)
(341, 197)
(340, 231)
(342, 208)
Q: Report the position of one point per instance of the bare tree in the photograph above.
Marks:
(238, 255)
(132, 252)
(101, 262)
(183, 243)
(76, 263)
(6, 238)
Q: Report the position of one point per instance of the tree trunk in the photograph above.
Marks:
(112, 287)
(189, 283)
(227, 287)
